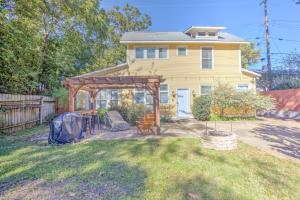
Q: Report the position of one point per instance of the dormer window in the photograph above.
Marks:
(201, 34)
(212, 34)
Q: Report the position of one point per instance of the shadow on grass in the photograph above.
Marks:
(78, 171)
(125, 169)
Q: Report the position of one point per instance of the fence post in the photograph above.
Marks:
(41, 110)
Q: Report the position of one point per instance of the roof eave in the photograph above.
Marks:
(173, 41)
(251, 73)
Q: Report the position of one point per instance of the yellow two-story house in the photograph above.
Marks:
(191, 62)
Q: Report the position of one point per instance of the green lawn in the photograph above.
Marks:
(168, 168)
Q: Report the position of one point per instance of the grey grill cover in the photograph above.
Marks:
(65, 128)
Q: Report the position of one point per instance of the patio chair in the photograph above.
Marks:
(146, 124)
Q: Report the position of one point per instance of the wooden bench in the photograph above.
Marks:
(146, 124)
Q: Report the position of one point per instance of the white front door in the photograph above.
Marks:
(183, 103)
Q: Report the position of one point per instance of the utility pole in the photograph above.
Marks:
(267, 34)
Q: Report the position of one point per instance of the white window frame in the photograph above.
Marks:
(156, 52)
(145, 92)
(238, 89)
(164, 47)
(212, 58)
(167, 91)
(186, 51)
(204, 84)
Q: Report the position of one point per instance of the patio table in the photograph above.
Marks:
(89, 120)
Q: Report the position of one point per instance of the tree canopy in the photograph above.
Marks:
(250, 55)
(42, 41)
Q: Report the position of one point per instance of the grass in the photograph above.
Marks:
(215, 117)
(162, 168)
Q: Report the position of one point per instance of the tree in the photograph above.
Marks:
(42, 41)
(250, 55)
(120, 20)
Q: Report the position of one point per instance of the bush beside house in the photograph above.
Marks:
(226, 102)
(201, 108)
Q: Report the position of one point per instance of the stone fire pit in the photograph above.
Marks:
(220, 140)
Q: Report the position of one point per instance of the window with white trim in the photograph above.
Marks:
(206, 57)
(139, 96)
(114, 97)
(143, 97)
(181, 51)
(139, 53)
(106, 97)
(243, 87)
(212, 34)
(201, 34)
(151, 53)
(162, 53)
(205, 90)
(163, 93)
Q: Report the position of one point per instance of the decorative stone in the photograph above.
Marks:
(220, 140)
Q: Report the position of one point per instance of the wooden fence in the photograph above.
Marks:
(18, 112)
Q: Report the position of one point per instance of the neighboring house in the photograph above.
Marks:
(191, 62)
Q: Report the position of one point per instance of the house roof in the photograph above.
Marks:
(105, 70)
(252, 73)
(207, 28)
(177, 37)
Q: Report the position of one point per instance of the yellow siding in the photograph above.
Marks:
(186, 72)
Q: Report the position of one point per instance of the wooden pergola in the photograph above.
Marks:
(94, 84)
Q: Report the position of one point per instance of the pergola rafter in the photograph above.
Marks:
(94, 84)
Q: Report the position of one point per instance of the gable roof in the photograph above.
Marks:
(177, 37)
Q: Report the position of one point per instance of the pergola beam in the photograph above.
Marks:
(93, 84)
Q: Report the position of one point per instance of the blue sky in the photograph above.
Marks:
(244, 18)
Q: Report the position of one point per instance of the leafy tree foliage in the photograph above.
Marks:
(250, 55)
(226, 97)
(43, 40)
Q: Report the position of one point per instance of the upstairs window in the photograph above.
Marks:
(212, 34)
(206, 59)
(151, 53)
(162, 53)
(139, 53)
(201, 34)
(181, 51)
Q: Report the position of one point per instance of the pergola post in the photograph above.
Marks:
(71, 99)
(93, 96)
(156, 108)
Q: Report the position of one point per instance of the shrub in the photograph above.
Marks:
(166, 112)
(201, 108)
(226, 98)
(135, 112)
(101, 112)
